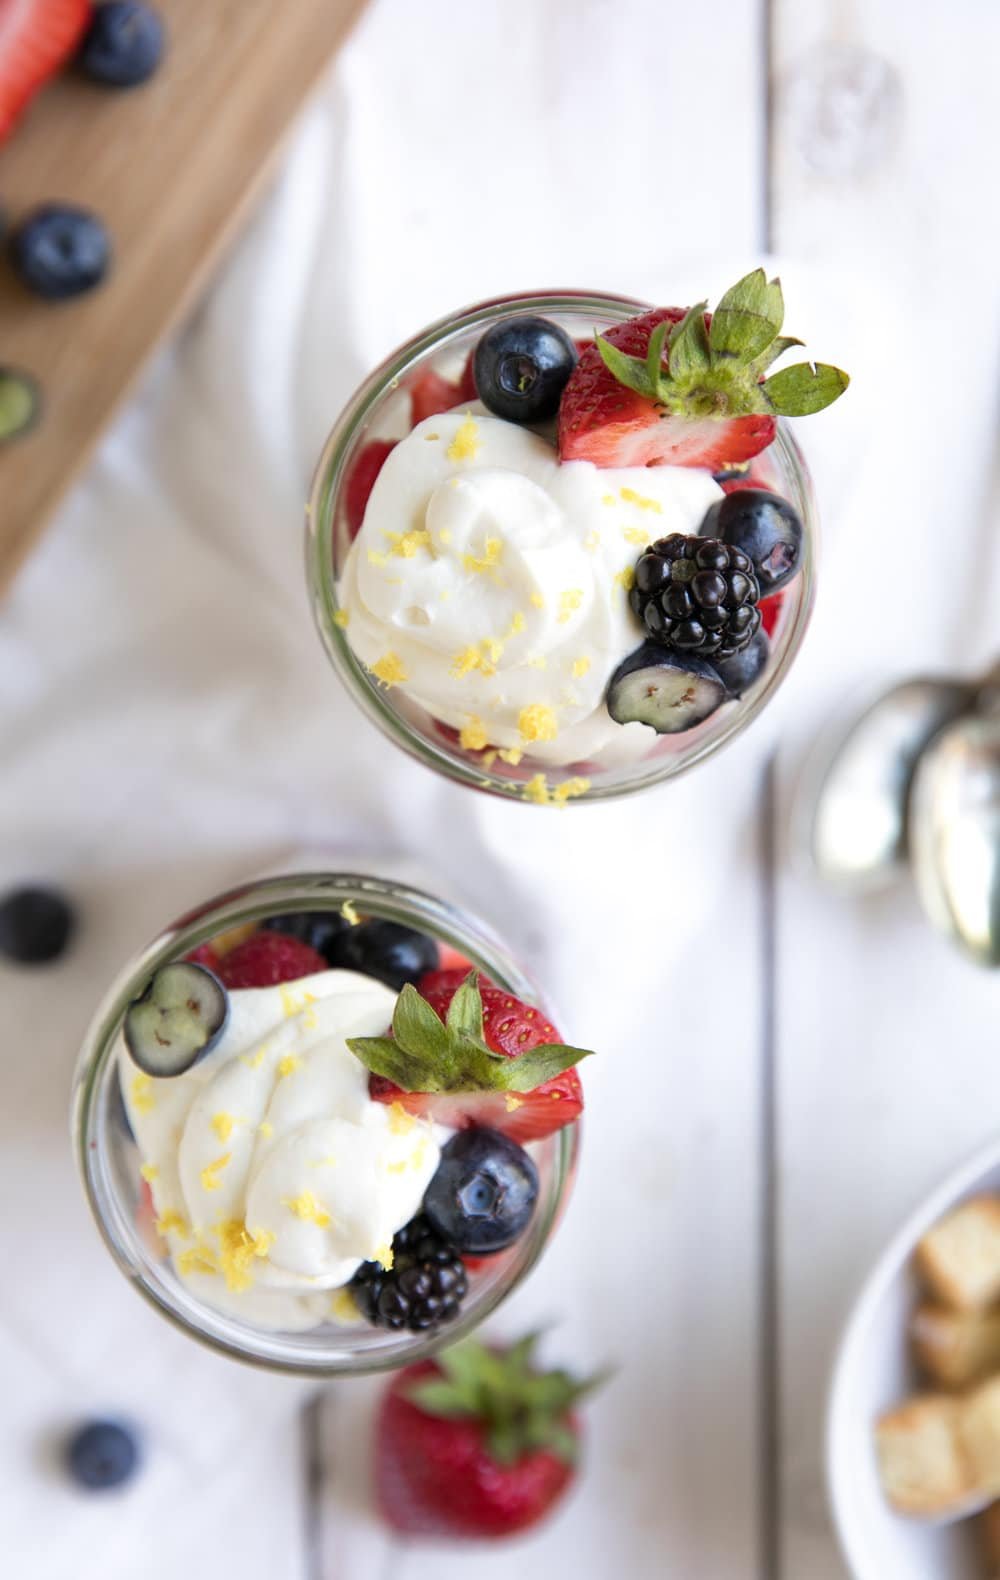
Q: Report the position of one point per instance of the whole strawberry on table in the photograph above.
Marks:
(480, 1443)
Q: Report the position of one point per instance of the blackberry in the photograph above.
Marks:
(424, 1287)
(697, 596)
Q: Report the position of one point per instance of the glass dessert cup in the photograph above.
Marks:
(381, 410)
(110, 1162)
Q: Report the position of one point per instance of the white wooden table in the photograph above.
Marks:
(784, 1072)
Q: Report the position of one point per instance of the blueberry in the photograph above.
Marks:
(388, 951)
(123, 44)
(667, 690)
(20, 403)
(484, 1192)
(102, 1454)
(765, 527)
(318, 929)
(743, 670)
(521, 368)
(59, 251)
(36, 925)
(177, 1019)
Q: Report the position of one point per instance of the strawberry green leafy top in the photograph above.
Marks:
(717, 362)
(426, 1054)
(521, 1408)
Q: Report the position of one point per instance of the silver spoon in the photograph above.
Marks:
(955, 834)
(858, 836)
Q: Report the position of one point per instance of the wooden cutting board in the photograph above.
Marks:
(172, 166)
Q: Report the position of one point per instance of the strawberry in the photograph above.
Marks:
(205, 955)
(36, 37)
(467, 1053)
(360, 480)
(770, 611)
(453, 959)
(267, 959)
(688, 388)
(479, 1443)
(430, 394)
(466, 387)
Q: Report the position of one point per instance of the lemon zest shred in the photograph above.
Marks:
(342, 619)
(538, 722)
(569, 602)
(626, 578)
(307, 1209)
(222, 1124)
(172, 1222)
(142, 1093)
(349, 914)
(511, 755)
(390, 669)
(631, 497)
(473, 737)
(209, 1175)
(465, 445)
(536, 790)
(289, 1064)
(149, 1172)
(580, 667)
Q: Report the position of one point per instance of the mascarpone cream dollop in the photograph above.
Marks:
(273, 1174)
(490, 582)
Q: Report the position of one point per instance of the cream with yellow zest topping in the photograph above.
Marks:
(465, 441)
(526, 571)
(142, 1093)
(252, 1226)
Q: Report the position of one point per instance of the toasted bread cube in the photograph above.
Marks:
(960, 1257)
(922, 1462)
(989, 1528)
(955, 1348)
(979, 1431)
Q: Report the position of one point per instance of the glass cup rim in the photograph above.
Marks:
(321, 577)
(282, 1351)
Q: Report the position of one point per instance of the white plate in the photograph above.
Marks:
(872, 1373)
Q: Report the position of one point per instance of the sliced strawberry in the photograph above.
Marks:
(360, 481)
(602, 421)
(431, 394)
(467, 390)
(452, 1079)
(454, 960)
(688, 388)
(770, 611)
(267, 959)
(206, 955)
(36, 38)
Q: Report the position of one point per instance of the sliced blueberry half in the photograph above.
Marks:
(766, 527)
(177, 1020)
(663, 689)
(20, 403)
(743, 670)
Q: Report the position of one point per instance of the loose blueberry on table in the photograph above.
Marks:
(123, 44)
(452, 1054)
(60, 251)
(36, 925)
(102, 1455)
(488, 577)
